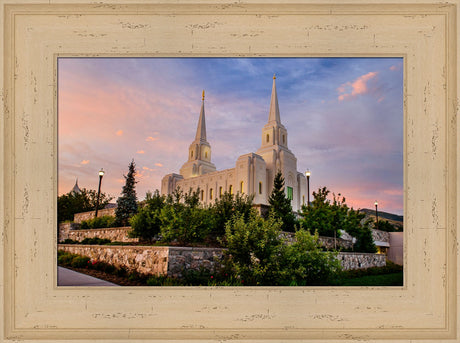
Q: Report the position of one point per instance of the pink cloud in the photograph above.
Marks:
(148, 169)
(151, 139)
(357, 87)
(84, 162)
(119, 133)
(140, 152)
(158, 164)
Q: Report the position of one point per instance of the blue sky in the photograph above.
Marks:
(344, 118)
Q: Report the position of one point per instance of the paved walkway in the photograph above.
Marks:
(67, 277)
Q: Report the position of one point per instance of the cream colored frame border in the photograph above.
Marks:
(34, 35)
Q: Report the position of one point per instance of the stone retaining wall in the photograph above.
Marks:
(172, 260)
(356, 260)
(115, 234)
(79, 217)
(150, 260)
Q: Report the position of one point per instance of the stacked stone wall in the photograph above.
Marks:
(64, 229)
(172, 261)
(146, 260)
(350, 260)
(79, 217)
(115, 234)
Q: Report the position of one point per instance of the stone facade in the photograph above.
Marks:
(115, 234)
(171, 261)
(79, 217)
(355, 260)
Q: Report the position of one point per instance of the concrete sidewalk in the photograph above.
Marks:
(67, 277)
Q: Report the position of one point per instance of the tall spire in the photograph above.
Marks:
(274, 114)
(201, 128)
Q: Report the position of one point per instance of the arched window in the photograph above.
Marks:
(241, 186)
(230, 189)
(210, 194)
(202, 195)
(268, 137)
(205, 154)
(220, 191)
(191, 153)
(260, 187)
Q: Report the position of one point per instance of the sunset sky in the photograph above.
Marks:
(344, 118)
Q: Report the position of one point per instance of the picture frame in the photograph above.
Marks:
(36, 34)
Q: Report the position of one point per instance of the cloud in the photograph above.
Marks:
(140, 152)
(151, 139)
(119, 133)
(158, 164)
(84, 162)
(358, 86)
(148, 169)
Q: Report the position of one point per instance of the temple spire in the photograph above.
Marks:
(201, 128)
(274, 114)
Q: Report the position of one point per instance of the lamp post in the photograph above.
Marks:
(376, 215)
(101, 174)
(307, 174)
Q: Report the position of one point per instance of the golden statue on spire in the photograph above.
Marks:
(274, 76)
(203, 94)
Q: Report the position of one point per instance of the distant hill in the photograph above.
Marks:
(393, 219)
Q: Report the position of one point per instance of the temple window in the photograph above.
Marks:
(241, 186)
(268, 137)
(289, 193)
(230, 189)
(260, 187)
(210, 194)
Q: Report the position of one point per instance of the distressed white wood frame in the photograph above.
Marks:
(35, 34)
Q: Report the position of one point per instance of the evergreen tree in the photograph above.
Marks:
(280, 205)
(127, 203)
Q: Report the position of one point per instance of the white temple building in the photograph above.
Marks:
(253, 173)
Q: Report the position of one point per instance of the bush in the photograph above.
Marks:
(80, 261)
(254, 249)
(258, 255)
(146, 224)
(65, 258)
(95, 241)
(306, 264)
(98, 222)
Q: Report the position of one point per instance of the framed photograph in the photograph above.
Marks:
(423, 36)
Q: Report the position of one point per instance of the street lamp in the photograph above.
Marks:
(376, 215)
(101, 174)
(307, 174)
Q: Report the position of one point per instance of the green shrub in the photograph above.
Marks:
(305, 263)
(95, 241)
(69, 241)
(80, 261)
(98, 222)
(65, 258)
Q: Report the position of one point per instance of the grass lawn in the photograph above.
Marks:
(394, 279)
